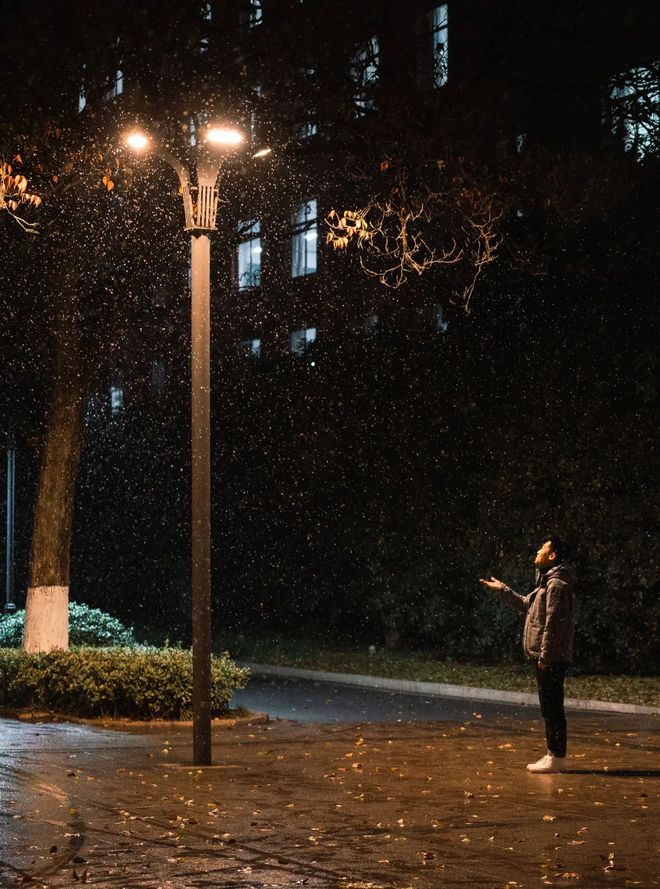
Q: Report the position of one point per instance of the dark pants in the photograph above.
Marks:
(551, 697)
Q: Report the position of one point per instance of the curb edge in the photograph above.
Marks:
(442, 690)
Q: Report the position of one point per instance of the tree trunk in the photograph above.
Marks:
(47, 617)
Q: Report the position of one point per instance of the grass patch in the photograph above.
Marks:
(425, 667)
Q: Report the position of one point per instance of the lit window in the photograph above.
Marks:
(82, 97)
(250, 348)
(364, 69)
(304, 236)
(635, 98)
(82, 94)
(252, 13)
(248, 258)
(301, 340)
(116, 87)
(439, 319)
(116, 400)
(308, 130)
(433, 43)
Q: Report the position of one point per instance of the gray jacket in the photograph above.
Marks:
(549, 614)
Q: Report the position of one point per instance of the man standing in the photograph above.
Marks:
(548, 640)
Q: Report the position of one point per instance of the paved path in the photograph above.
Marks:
(308, 701)
(347, 806)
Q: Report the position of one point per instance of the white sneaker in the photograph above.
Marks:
(547, 763)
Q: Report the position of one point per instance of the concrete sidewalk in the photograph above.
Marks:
(441, 689)
(349, 807)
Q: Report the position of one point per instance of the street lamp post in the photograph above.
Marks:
(10, 605)
(199, 189)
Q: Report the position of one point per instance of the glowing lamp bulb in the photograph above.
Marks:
(224, 136)
(137, 141)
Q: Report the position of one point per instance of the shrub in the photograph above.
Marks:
(139, 682)
(87, 626)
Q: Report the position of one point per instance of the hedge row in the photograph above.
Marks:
(139, 683)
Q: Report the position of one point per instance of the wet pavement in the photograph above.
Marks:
(303, 700)
(446, 803)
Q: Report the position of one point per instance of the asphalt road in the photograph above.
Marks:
(306, 701)
(320, 702)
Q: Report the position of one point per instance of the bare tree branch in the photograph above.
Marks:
(411, 231)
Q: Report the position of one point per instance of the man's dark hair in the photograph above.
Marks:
(560, 547)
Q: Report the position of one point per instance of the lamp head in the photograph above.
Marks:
(226, 136)
(137, 141)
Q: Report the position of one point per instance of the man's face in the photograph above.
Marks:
(545, 557)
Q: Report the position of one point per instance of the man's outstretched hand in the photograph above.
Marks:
(492, 584)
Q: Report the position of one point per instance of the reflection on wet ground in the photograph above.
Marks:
(357, 806)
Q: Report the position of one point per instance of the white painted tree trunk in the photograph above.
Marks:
(47, 618)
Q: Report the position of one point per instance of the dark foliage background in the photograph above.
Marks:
(362, 497)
